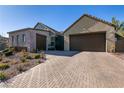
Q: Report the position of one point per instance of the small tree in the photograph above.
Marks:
(119, 25)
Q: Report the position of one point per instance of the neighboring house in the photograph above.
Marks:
(41, 37)
(89, 33)
(3, 42)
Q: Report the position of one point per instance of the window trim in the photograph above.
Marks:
(23, 38)
(17, 39)
(12, 39)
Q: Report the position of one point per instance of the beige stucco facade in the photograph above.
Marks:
(30, 38)
(90, 25)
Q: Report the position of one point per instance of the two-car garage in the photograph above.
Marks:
(88, 42)
(89, 33)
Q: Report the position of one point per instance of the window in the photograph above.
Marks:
(52, 43)
(17, 37)
(23, 38)
(12, 39)
(52, 38)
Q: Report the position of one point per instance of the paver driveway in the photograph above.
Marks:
(86, 69)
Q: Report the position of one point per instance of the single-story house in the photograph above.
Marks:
(41, 37)
(90, 33)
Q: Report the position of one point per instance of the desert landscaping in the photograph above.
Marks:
(13, 63)
(88, 53)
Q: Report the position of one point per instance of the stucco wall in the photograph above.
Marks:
(30, 42)
(89, 25)
(20, 43)
(33, 41)
(120, 44)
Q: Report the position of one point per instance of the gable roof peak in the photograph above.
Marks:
(99, 19)
(93, 17)
(44, 27)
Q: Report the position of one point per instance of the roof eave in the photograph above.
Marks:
(93, 17)
(53, 30)
(25, 29)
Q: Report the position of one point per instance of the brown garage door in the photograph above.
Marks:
(88, 42)
(40, 42)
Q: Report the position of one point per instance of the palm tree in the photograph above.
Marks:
(119, 25)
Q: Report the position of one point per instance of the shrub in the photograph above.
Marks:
(11, 74)
(8, 53)
(28, 57)
(13, 49)
(21, 68)
(23, 50)
(26, 65)
(24, 53)
(37, 56)
(4, 66)
(38, 62)
(5, 61)
(14, 62)
(3, 76)
(43, 56)
(23, 59)
(34, 51)
(6, 50)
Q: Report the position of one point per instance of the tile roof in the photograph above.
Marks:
(93, 17)
(45, 27)
(120, 33)
(20, 30)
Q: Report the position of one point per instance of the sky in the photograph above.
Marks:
(57, 17)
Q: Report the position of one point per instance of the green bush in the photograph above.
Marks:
(28, 57)
(6, 50)
(34, 50)
(12, 49)
(8, 53)
(37, 56)
(38, 62)
(25, 54)
(4, 66)
(21, 68)
(3, 76)
(23, 59)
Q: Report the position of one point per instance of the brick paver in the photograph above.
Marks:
(86, 69)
